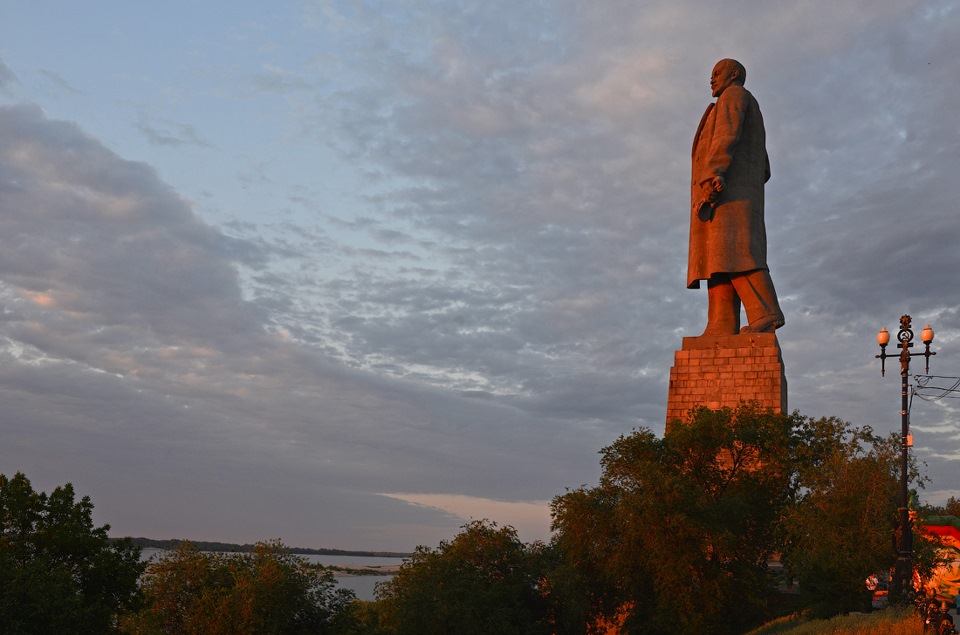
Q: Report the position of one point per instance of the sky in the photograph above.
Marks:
(352, 273)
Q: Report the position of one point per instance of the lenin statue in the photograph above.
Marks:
(728, 239)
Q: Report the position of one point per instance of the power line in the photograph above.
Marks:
(924, 390)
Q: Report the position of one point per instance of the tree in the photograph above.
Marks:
(950, 508)
(677, 535)
(838, 531)
(58, 572)
(267, 592)
(483, 581)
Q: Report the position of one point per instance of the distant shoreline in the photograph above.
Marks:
(206, 545)
(341, 571)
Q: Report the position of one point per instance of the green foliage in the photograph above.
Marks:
(483, 581)
(838, 531)
(58, 572)
(951, 508)
(362, 618)
(676, 536)
(267, 592)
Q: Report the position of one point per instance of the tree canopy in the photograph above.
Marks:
(839, 529)
(267, 592)
(678, 535)
(483, 581)
(950, 508)
(58, 572)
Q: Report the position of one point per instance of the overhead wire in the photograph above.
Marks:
(928, 392)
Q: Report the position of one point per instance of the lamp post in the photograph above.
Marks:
(903, 573)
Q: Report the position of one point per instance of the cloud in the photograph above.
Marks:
(118, 249)
(550, 175)
(169, 133)
(128, 343)
(60, 82)
(530, 519)
(556, 167)
(7, 76)
(483, 286)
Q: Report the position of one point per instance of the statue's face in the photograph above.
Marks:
(724, 74)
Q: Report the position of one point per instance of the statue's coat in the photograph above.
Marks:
(731, 143)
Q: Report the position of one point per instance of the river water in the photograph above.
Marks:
(362, 585)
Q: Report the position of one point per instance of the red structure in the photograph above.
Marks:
(945, 581)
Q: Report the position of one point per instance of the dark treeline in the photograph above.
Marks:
(729, 520)
(229, 547)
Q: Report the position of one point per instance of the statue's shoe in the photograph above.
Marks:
(766, 324)
(717, 330)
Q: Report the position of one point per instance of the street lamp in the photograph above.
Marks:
(903, 574)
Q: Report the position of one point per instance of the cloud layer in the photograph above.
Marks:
(342, 275)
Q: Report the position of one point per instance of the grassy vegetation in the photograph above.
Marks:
(898, 621)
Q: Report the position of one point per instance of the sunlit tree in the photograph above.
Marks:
(267, 592)
(677, 535)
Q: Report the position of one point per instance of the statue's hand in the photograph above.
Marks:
(711, 188)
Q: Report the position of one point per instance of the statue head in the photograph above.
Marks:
(726, 73)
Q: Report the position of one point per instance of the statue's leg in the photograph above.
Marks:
(723, 311)
(755, 289)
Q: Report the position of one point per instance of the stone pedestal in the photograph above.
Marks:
(718, 371)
